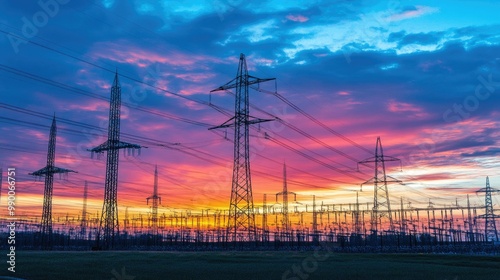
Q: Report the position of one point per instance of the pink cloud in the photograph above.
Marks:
(124, 53)
(297, 18)
(350, 102)
(92, 106)
(195, 77)
(417, 12)
(153, 127)
(401, 107)
(40, 136)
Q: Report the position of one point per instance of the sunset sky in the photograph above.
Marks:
(422, 75)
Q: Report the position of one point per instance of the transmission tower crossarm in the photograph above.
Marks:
(489, 216)
(488, 190)
(257, 120)
(288, 193)
(394, 180)
(234, 83)
(372, 180)
(374, 159)
(50, 170)
(368, 181)
(108, 145)
(228, 123)
(231, 123)
(153, 197)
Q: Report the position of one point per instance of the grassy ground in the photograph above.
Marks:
(249, 265)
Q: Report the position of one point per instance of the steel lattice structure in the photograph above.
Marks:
(109, 224)
(285, 193)
(48, 171)
(381, 201)
(489, 217)
(83, 224)
(1, 177)
(156, 200)
(241, 223)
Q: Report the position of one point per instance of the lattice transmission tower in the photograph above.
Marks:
(1, 177)
(109, 224)
(48, 172)
(286, 221)
(241, 220)
(84, 222)
(381, 201)
(156, 200)
(490, 227)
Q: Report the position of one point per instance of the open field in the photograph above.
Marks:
(249, 265)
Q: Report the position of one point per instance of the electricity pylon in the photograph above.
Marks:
(83, 224)
(1, 177)
(126, 221)
(470, 233)
(265, 236)
(357, 221)
(285, 193)
(381, 201)
(156, 200)
(109, 224)
(48, 171)
(489, 217)
(241, 220)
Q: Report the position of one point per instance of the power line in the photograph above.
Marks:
(112, 71)
(92, 95)
(313, 119)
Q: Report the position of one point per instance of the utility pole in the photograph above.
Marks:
(241, 219)
(48, 171)
(489, 217)
(156, 200)
(285, 193)
(109, 225)
(381, 201)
